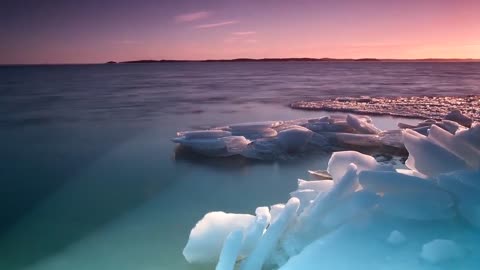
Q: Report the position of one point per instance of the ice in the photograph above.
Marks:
(354, 205)
(317, 185)
(207, 237)
(222, 146)
(340, 160)
(320, 175)
(441, 250)
(306, 226)
(427, 205)
(464, 186)
(294, 139)
(456, 145)
(256, 230)
(275, 211)
(256, 133)
(356, 215)
(269, 240)
(204, 134)
(255, 125)
(365, 140)
(472, 136)
(458, 117)
(362, 126)
(423, 107)
(396, 238)
(421, 152)
(281, 139)
(450, 126)
(391, 181)
(231, 248)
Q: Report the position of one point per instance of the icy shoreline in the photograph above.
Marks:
(426, 107)
(380, 217)
(280, 140)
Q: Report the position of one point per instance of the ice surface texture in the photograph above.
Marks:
(412, 106)
(361, 214)
(281, 139)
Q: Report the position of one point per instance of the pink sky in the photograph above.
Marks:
(126, 30)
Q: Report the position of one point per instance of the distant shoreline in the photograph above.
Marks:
(304, 59)
(246, 60)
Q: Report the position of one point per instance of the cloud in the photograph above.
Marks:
(239, 40)
(193, 16)
(211, 25)
(244, 33)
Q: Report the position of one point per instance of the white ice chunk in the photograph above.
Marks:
(365, 140)
(275, 211)
(294, 138)
(320, 175)
(396, 238)
(307, 228)
(340, 160)
(457, 184)
(305, 196)
(411, 173)
(441, 250)
(317, 185)
(255, 125)
(467, 195)
(223, 146)
(204, 134)
(207, 237)
(255, 133)
(427, 157)
(461, 148)
(230, 250)
(381, 182)
(269, 240)
(450, 126)
(393, 138)
(356, 204)
(256, 230)
(471, 135)
(330, 127)
(361, 125)
(458, 117)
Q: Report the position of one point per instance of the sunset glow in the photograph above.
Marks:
(93, 32)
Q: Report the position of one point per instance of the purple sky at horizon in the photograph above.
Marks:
(55, 31)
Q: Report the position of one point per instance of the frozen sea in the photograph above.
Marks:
(88, 174)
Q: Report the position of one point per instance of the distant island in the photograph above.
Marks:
(303, 59)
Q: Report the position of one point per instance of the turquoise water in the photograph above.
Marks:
(89, 177)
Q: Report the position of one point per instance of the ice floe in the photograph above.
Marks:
(273, 140)
(356, 214)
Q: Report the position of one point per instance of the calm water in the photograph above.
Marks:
(88, 176)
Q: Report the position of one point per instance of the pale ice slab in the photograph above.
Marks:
(392, 181)
(429, 158)
(441, 250)
(207, 237)
(340, 160)
(230, 250)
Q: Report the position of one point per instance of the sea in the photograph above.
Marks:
(89, 176)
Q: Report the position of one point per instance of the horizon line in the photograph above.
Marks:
(247, 59)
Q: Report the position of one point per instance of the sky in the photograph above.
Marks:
(55, 31)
